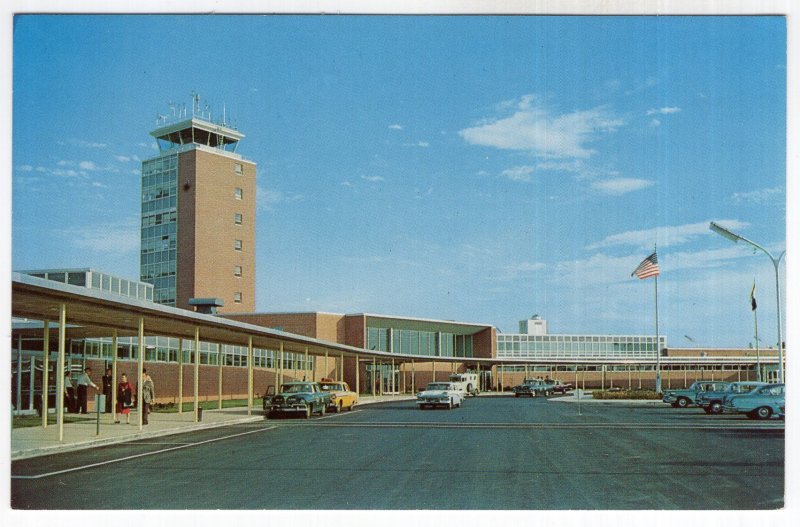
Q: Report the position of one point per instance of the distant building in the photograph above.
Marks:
(198, 214)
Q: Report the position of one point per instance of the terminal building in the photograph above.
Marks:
(198, 249)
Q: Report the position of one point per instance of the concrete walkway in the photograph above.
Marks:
(33, 441)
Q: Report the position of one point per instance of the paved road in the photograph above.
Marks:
(494, 453)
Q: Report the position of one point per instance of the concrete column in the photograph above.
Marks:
(139, 373)
(629, 377)
(526, 370)
(502, 377)
(372, 377)
(18, 392)
(307, 368)
(114, 345)
(196, 374)
(62, 344)
(433, 378)
(639, 370)
(340, 367)
(45, 372)
(280, 368)
(180, 375)
(219, 376)
(327, 367)
(413, 380)
(403, 382)
(685, 376)
(358, 375)
(394, 387)
(250, 375)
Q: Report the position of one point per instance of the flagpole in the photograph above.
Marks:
(758, 353)
(658, 347)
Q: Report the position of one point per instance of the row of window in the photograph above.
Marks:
(578, 338)
(516, 368)
(413, 342)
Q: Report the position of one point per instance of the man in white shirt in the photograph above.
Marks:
(84, 381)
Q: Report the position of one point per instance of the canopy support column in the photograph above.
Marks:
(62, 344)
(140, 374)
(180, 375)
(45, 372)
(196, 374)
(250, 375)
(219, 376)
(114, 344)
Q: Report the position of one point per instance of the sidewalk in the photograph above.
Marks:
(34, 441)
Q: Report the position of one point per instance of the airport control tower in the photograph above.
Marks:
(198, 211)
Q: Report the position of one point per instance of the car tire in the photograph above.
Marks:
(762, 413)
(674, 405)
(516, 395)
(322, 410)
(707, 409)
(338, 408)
(682, 402)
(715, 408)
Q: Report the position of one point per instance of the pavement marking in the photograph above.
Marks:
(722, 426)
(135, 456)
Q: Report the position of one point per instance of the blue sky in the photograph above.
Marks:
(481, 169)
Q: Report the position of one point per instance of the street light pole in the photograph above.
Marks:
(722, 231)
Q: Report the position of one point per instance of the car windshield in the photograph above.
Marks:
(296, 388)
(331, 386)
(742, 388)
(438, 386)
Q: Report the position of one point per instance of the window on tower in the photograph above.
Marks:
(237, 245)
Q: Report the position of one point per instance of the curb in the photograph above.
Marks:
(622, 402)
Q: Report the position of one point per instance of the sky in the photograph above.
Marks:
(472, 168)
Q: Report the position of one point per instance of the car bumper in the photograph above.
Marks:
(433, 402)
(288, 408)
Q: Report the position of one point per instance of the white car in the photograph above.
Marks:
(444, 394)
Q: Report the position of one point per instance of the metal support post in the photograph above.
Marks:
(45, 372)
(180, 375)
(196, 374)
(219, 376)
(250, 375)
(140, 374)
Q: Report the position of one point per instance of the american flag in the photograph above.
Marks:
(648, 267)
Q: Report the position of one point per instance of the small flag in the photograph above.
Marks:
(753, 304)
(648, 267)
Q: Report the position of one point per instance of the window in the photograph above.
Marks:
(237, 218)
(237, 193)
(237, 298)
(237, 270)
(238, 169)
(237, 245)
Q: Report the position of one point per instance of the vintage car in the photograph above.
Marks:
(533, 388)
(341, 395)
(560, 387)
(761, 403)
(686, 397)
(711, 402)
(303, 397)
(440, 394)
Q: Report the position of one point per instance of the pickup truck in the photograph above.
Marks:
(303, 397)
(684, 398)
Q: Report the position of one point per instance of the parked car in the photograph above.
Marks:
(761, 403)
(440, 394)
(686, 397)
(532, 388)
(342, 397)
(302, 397)
(711, 402)
(561, 387)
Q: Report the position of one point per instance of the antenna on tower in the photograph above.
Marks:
(172, 107)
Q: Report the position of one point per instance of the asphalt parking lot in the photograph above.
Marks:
(493, 453)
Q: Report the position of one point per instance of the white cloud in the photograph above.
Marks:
(267, 198)
(421, 144)
(534, 128)
(655, 122)
(372, 179)
(513, 270)
(520, 173)
(758, 197)
(619, 186)
(25, 168)
(663, 111)
(665, 236)
(395, 127)
(122, 159)
(117, 237)
(87, 165)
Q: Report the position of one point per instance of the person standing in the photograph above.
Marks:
(108, 386)
(125, 398)
(148, 395)
(84, 381)
(69, 393)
